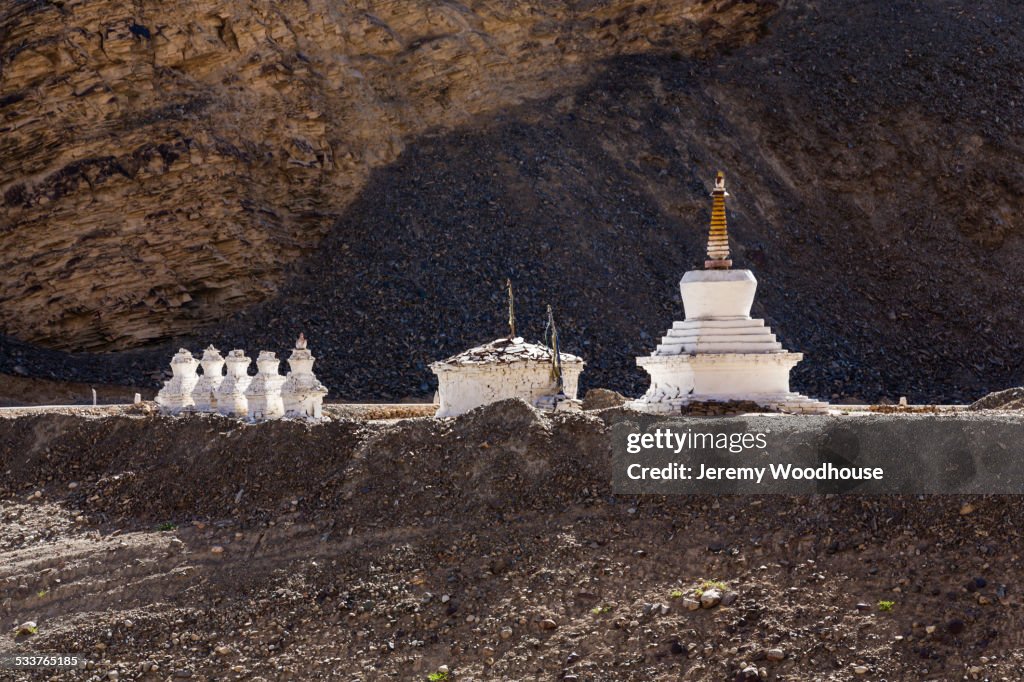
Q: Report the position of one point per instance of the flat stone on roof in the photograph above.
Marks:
(502, 351)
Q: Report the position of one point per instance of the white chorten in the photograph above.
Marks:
(230, 395)
(204, 395)
(509, 368)
(718, 353)
(302, 394)
(264, 392)
(176, 395)
(501, 369)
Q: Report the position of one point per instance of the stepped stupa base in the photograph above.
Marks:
(761, 378)
(789, 403)
(719, 354)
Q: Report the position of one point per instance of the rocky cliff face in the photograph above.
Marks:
(872, 150)
(161, 162)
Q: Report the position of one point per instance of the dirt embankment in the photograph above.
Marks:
(490, 544)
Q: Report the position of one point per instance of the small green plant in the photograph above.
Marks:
(166, 526)
(709, 585)
(598, 610)
(437, 677)
(41, 593)
(27, 628)
(676, 594)
(886, 605)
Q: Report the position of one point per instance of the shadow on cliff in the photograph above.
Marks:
(874, 194)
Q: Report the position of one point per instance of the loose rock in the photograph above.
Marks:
(710, 598)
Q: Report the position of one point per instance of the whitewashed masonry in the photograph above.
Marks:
(719, 353)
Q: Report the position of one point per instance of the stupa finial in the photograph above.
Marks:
(718, 235)
(300, 344)
(511, 310)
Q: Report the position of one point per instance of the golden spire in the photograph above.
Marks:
(718, 235)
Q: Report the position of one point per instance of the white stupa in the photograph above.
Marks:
(302, 394)
(176, 394)
(718, 353)
(204, 395)
(509, 368)
(504, 368)
(264, 392)
(231, 400)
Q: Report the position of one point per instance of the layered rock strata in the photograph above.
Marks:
(163, 162)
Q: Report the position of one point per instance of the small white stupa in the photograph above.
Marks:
(264, 392)
(204, 395)
(230, 394)
(176, 394)
(718, 353)
(302, 393)
(508, 368)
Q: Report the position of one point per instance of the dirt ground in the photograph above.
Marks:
(16, 391)
(203, 548)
